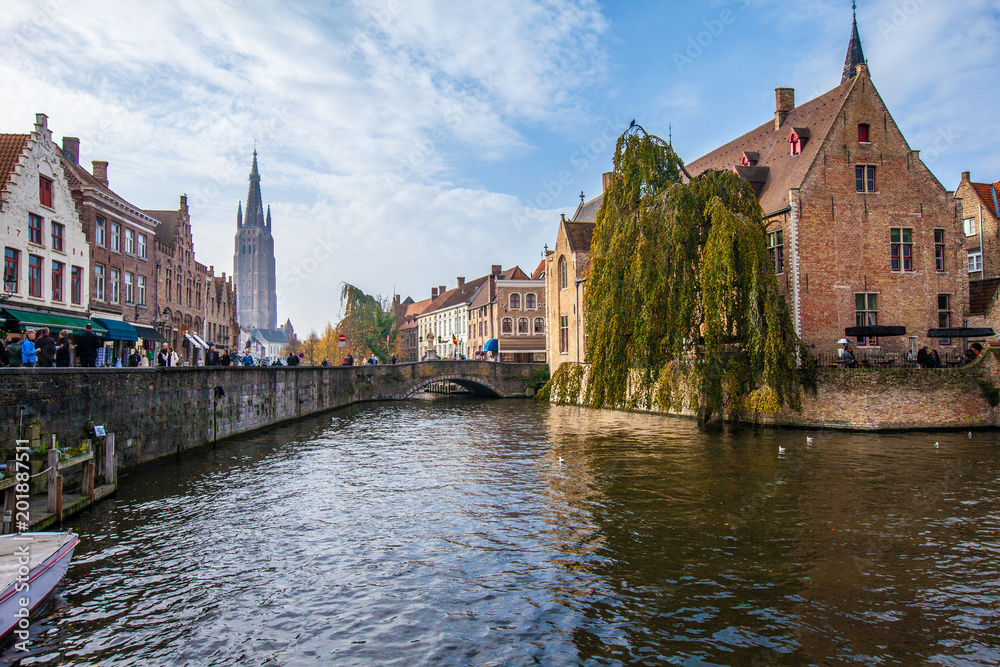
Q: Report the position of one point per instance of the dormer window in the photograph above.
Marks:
(864, 133)
(798, 139)
(750, 159)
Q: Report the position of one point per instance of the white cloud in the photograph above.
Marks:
(365, 116)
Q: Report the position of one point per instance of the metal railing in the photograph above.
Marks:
(875, 359)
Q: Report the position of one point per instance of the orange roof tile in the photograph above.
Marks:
(990, 194)
(11, 146)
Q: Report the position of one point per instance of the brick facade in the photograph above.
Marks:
(980, 214)
(181, 285)
(565, 285)
(120, 236)
(859, 214)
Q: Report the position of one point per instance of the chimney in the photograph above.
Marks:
(606, 180)
(461, 280)
(496, 270)
(966, 175)
(100, 171)
(784, 102)
(442, 289)
(434, 292)
(395, 300)
(71, 147)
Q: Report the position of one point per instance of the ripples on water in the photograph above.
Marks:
(505, 533)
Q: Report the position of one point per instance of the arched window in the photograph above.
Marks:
(522, 326)
(507, 325)
(515, 301)
(563, 276)
(539, 325)
(530, 301)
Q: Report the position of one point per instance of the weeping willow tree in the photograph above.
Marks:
(681, 285)
(369, 322)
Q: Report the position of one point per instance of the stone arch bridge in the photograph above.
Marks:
(487, 378)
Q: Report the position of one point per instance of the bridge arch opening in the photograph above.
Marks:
(477, 387)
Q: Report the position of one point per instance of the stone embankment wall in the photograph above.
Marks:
(894, 398)
(157, 412)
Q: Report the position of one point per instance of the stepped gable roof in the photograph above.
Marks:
(539, 270)
(990, 194)
(579, 235)
(167, 229)
(785, 171)
(981, 293)
(11, 147)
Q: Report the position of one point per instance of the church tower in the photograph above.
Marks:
(253, 263)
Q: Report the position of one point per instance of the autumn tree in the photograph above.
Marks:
(369, 322)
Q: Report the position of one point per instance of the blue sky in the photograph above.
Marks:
(404, 143)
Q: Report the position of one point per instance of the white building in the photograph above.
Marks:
(443, 327)
(46, 255)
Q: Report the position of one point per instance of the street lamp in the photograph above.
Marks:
(9, 286)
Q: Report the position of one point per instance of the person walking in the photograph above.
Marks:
(134, 358)
(86, 347)
(29, 353)
(14, 352)
(62, 349)
(225, 359)
(4, 361)
(211, 356)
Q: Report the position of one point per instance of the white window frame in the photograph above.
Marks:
(975, 261)
(142, 246)
(99, 282)
(969, 226)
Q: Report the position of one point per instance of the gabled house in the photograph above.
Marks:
(46, 256)
(865, 241)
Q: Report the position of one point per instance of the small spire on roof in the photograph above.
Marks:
(855, 54)
(582, 197)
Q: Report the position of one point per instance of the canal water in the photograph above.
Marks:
(451, 532)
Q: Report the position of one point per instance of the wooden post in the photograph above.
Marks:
(110, 462)
(87, 479)
(53, 473)
(59, 506)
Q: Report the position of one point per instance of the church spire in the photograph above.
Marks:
(855, 56)
(269, 216)
(239, 215)
(255, 204)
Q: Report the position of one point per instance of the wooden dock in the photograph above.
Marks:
(25, 512)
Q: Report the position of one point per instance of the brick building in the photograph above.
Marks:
(980, 204)
(508, 307)
(120, 236)
(865, 241)
(565, 282)
(46, 258)
(181, 285)
(221, 327)
(980, 217)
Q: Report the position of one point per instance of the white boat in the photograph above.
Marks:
(31, 566)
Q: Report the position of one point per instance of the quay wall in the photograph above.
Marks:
(889, 399)
(156, 412)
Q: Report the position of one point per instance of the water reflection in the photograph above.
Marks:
(506, 533)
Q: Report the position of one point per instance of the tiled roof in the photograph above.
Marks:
(981, 293)
(514, 273)
(539, 270)
(990, 194)
(11, 146)
(167, 229)
(464, 293)
(785, 171)
(588, 212)
(579, 235)
(270, 335)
